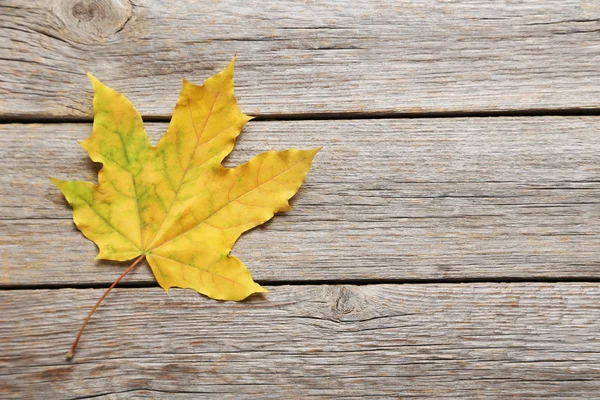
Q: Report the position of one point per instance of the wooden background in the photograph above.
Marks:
(445, 244)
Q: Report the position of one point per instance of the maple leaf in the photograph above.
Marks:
(175, 204)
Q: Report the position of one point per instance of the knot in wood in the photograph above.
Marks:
(91, 20)
(348, 302)
(84, 11)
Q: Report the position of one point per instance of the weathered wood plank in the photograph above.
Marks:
(298, 57)
(386, 199)
(433, 341)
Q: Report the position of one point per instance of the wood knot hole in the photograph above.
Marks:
(83, 11)
(348, 302)
(92, 21)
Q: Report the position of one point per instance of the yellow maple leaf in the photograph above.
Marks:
(175, 204)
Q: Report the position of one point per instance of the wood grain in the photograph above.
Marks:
(475, 198)
(302, 57)
(433, 341)
(388, 200)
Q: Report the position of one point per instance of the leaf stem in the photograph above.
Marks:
(71, 352)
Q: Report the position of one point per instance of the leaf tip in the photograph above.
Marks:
(228, 71)
(92, 79)
(313, 152)
(262, 290)
(99, 86)
(256, 288)
(165, 288)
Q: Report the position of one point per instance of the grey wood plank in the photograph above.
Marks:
(302, 58)
(431, 341)
(474, 198)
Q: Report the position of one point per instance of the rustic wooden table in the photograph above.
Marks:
(446, 243)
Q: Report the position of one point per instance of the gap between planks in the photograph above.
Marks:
(541, 112)
(145, 284)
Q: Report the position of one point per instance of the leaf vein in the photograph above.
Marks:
(176, 194)
(225, 205)
(212, 274)
(107, 221)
